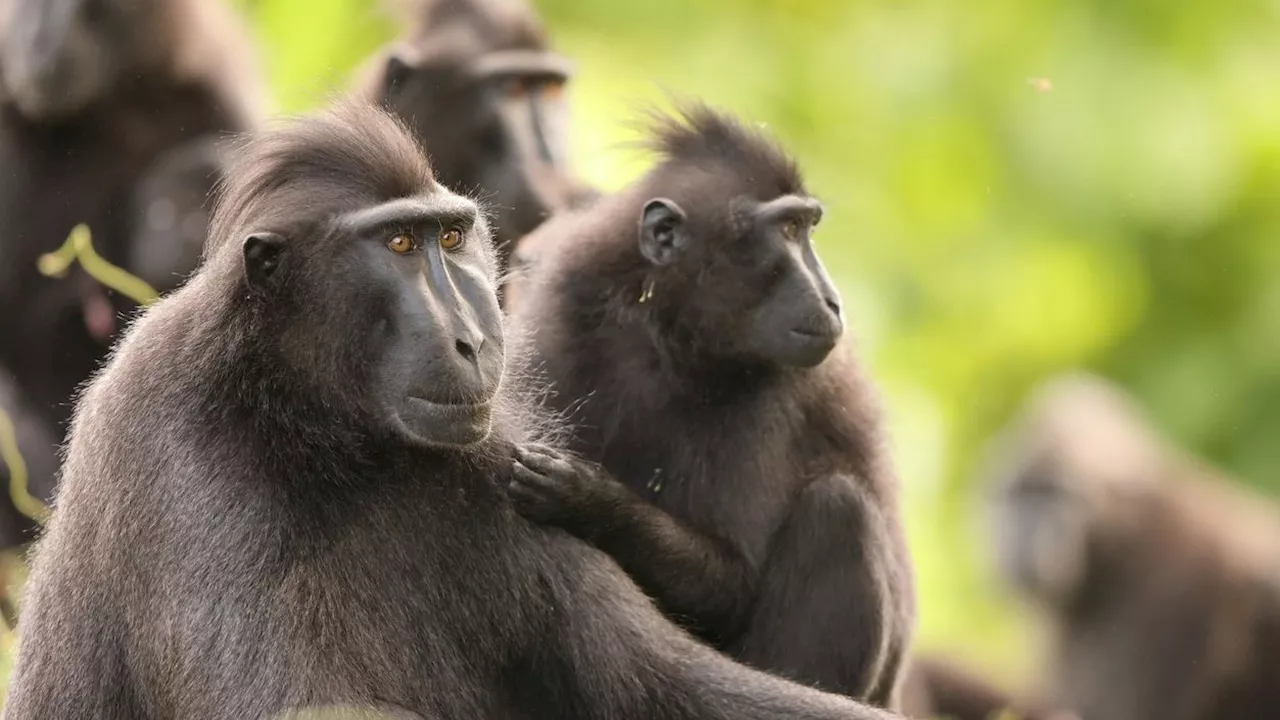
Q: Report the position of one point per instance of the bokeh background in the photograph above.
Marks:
(1013, 189)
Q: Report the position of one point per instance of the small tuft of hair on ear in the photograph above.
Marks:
(697, 133)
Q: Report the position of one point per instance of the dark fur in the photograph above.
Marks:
(179, 81)
(240, 531)
(1162, 580)
(762, 509)
(453, 109)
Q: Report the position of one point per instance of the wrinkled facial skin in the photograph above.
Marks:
(407, 287)
(497, 127)
(59, 56)
(776, 302)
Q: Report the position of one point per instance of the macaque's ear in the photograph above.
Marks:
(263, 252)
(400, 65)
(662, 231)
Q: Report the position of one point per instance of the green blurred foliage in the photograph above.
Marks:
(1013, 189)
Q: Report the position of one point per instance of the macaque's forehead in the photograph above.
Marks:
(318, 166)
(1092, 431)
(493, 23)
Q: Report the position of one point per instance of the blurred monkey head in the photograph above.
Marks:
(1069, 480)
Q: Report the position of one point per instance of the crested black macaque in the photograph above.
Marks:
(479, 84)
(1161, 578)
(688, 333)
(287, 488)
(93, 94)
(935, 687)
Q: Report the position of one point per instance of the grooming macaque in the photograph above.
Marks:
(690, 336)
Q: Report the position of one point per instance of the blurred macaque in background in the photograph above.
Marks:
(111, 113)
(479, 84)
(1160, 577)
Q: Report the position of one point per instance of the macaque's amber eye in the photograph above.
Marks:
(401, 244)
(791, 229)
(451, 239)
(553, 89)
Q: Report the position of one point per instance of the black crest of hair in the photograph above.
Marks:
(689, 336)
(696, 134)
(285, 491)
(108, 109)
